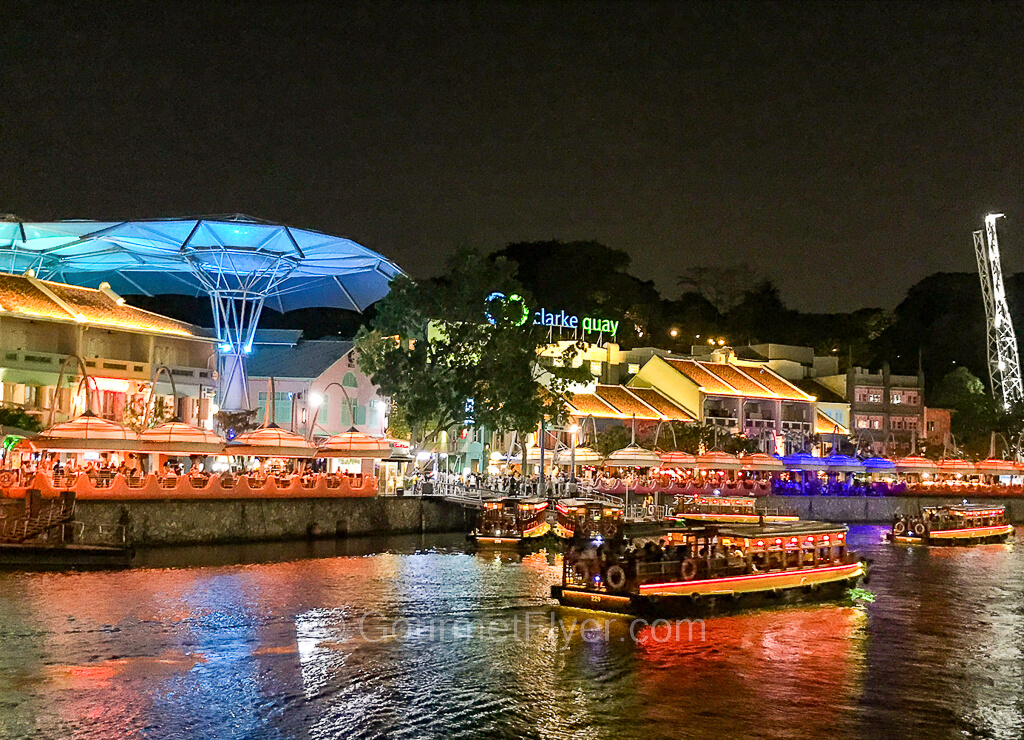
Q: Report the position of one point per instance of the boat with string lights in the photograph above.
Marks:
(962, 524)
(726, 510)
(511, 523)
(712, 569)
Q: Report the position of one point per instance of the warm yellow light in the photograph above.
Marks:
(710, 340)
(721, 342)
(574, 428)
(674, 332)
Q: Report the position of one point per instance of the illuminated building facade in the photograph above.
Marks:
(44, 326)
(742, 397)
(316, 382)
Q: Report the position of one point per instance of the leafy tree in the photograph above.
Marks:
(958, 389)
(722, 286)
(13, 417)
(431, 349)
(612, 438)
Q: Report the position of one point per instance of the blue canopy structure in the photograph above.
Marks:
(240, 262)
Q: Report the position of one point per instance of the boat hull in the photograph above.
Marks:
(957, 537)
(38, 556)
(720, 595)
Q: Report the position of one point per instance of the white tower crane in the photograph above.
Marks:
(1003, 360)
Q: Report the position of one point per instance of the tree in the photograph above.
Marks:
(12, 417)
(958, 389)
(451, 357)
(722, 286)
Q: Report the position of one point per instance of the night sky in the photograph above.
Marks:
(847, 150)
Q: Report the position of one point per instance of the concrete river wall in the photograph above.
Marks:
(211, 521)
(879, 510)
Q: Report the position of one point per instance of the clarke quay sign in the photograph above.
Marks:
(519, 313)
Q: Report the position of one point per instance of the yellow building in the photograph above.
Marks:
(45, 325)
(741, 396)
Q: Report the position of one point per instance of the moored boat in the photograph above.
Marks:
(726, 510)
(587, 519)
(712, 569)
(511, 522)
(962, 524)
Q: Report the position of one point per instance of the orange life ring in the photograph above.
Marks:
(688, 570)
(8, 479)
(900, 527)
(615, 579)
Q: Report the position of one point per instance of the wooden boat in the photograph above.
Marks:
(712, 569)
(587, 519)
(962, 524)
(511, 522)
(725, 510)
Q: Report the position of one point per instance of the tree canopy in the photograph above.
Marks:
(450, 357)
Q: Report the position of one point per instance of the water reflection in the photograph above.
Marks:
(413, 637)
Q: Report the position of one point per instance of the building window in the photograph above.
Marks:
(897, 398)
(863, 422)
(595, 367)
(349, 381)
(931, 426)
(633, 368)
(282, 408)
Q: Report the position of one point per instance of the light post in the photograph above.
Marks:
(572, 455)
(316, 400)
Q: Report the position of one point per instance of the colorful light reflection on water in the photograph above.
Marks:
(414, 638)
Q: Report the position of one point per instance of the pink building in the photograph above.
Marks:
(315, 382)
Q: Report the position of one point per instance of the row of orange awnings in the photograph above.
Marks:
(621, 402)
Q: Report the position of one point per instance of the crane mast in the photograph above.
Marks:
(1003, 359)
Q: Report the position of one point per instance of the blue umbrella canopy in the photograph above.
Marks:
(235, 256)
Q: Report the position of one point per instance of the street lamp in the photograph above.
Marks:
(316, 400)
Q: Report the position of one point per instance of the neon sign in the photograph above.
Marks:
(519, 314)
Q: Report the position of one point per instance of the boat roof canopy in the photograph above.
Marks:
(781, 529)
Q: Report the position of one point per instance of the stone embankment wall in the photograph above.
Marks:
(184, 522)
(868, 509)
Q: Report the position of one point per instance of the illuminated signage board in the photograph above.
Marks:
(520, 314)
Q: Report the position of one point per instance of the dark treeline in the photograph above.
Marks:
(940, 323)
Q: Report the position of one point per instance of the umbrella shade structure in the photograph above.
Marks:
(532, 456)
(843, 464)
(270, 441)
(879, 465)
(240, 262)
(678, 459)
(759, 461)
(916, 464)
(952, 466)
(352, 444)
(718, 461)
(802, 461)
(993, 466)
(177, 438)
(87, 432)
(633, 456)
(584, 456)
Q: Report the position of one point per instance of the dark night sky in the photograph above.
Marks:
(846, 149)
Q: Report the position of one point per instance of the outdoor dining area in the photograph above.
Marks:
(638, 470)
(101, 459)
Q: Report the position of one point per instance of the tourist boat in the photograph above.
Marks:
(588, 519)
(725, 510)
(962, 524)
(510, 522)
(712, 569)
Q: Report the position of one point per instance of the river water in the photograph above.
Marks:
(414, 638)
